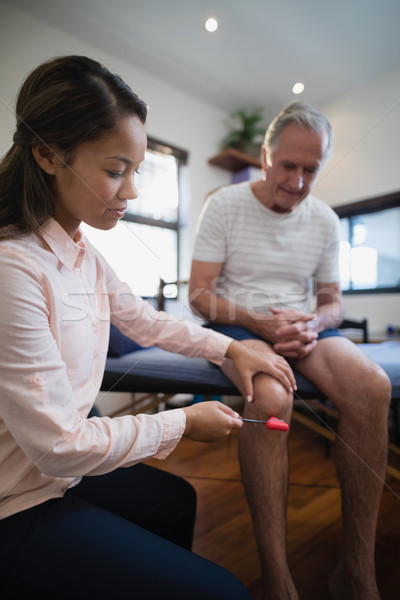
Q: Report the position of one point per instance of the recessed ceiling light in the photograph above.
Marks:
(211, 24)
(298, 88)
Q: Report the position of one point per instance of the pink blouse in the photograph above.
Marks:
(57, 297)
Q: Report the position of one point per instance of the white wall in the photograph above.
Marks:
(366, 125)
(174, 116)
(365, 163)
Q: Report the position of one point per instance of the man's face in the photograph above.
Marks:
(292, 171)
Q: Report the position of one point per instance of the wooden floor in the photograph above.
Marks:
(224, 534)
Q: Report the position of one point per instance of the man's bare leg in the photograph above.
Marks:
(263, 459)
(361, 392)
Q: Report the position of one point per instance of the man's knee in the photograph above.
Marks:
(379, 388)
(271, 398)
(368, 394)
(373, 382)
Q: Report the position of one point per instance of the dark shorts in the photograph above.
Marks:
(237, 332)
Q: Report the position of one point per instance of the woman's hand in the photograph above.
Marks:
(248, 362)
(210, 421)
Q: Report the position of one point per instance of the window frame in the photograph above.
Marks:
(364, 207)
(182, 159)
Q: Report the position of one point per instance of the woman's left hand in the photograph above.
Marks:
(248, 362)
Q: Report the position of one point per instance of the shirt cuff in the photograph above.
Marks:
(174, 423)
(217, 345)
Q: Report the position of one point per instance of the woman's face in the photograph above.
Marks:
(96, 186)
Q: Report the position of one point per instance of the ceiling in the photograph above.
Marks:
(261, 47)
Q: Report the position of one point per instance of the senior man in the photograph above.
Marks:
(258, 247)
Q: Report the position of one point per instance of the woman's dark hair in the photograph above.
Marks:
(65, 101)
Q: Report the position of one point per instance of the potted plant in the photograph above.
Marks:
(246, 131)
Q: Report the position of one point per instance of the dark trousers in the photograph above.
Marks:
(123, 535)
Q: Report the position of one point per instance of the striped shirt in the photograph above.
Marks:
(268, 258)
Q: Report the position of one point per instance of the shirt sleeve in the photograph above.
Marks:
(211, 243)
(38, 410)
(328, 266)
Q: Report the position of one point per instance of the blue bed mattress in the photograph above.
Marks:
(154, 370)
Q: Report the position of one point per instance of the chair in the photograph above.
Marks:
(354, 324)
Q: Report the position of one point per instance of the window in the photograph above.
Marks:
(144, 245)
(370, 245)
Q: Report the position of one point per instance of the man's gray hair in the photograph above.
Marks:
(303, 114)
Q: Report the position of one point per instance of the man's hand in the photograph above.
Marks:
(291, 332)
(295, 348)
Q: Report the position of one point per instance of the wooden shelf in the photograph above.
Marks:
(234, 160)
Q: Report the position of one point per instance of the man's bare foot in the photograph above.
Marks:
(343, 586)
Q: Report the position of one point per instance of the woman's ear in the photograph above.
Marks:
(45, 157)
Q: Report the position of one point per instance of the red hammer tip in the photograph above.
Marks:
(276, 424)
